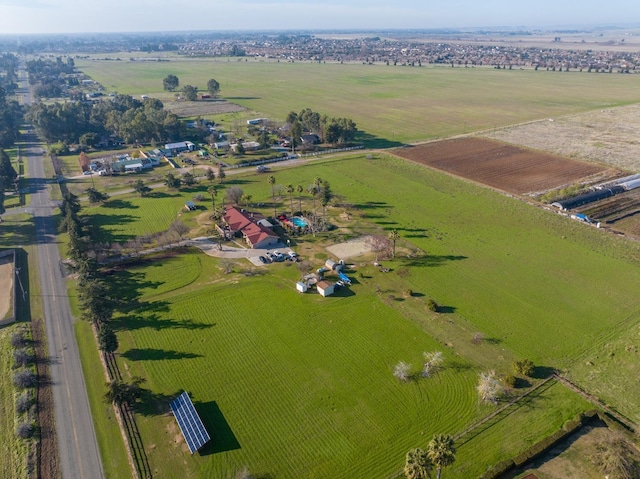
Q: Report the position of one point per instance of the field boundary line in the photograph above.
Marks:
(597, 402)
(495, 413)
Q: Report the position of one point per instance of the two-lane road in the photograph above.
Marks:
(77, 445)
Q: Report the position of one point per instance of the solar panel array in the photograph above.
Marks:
(190, 423)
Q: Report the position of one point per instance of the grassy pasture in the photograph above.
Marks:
(393, 104)
(303, 389)
(537, 285)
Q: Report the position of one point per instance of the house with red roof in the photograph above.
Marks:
(239, 222)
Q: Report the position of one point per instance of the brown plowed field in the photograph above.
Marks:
(499, 165)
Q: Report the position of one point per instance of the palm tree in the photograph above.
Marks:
(290, 190)
(441, 451)
(272, 182)
(299, 190)
(417, 464)
(213, 191)
(393, 236)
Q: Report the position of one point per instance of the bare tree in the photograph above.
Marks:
(489, 387)
(433, 362)
(614, 458)
(378, 244)
(402, 371)
(234, 194)
(179, 228)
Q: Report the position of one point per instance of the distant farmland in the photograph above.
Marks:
(395, 104)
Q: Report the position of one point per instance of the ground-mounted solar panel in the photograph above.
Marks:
(190, 423)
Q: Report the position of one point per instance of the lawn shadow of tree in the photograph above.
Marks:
(18, 232)
(154, 321)
(152, 354)
(222, 437)
(154, 404)
(542, 372)
(120, 204)
(99, 234)
(375, 142)
(431, 260)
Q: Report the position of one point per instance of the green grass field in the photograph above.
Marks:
(299, 386)
(390, 105)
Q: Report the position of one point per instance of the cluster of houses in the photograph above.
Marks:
(143, 161)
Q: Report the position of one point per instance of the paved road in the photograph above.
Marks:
(77, 445)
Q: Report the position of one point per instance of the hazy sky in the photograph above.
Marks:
(60, 16)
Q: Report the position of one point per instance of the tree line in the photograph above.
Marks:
(338, 131)
(124, 116)
(10, 110)
(49, 78)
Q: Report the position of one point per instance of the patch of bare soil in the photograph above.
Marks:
(6, 285)
(606, 136)
(500, 165)
(572, 458)
(350, 249)
(202, 107)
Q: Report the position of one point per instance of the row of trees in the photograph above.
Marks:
(95, 300)
(126, 117)
(440, 453)
(172, 82)
(8, 177)
(11, 114)
(50, 78)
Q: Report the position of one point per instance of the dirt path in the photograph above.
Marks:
(6, 285)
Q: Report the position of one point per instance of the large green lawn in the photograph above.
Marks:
(299, 386)
(392, 104)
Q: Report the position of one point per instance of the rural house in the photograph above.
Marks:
(241, 223)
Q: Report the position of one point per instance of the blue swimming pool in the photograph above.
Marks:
(298, 222)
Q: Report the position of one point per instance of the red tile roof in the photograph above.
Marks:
(241, 221)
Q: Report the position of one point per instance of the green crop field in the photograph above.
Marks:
(300, 386)
(391, 104)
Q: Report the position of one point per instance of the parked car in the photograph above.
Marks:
(263, 260)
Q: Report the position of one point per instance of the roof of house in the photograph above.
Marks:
(323, 284)
(239, 220)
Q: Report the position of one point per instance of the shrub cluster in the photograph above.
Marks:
(432, 306)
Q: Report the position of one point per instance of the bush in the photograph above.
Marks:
(25, 430)
(509, 381)
(25, 378)
(199, 197)
(524, 367)
(22, 357)
(18, 340)
(432, 306)
(24, 401)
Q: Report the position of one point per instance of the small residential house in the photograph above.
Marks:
(325, 288)
(179, 147)
(310, 139)
(242, 223)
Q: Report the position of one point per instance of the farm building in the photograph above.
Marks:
(301, 287)
(241, 223)
(190, 206)
(179, 147)
(325, 288)
(586, 198)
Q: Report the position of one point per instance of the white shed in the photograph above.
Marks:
(325, 288)
(301, 287)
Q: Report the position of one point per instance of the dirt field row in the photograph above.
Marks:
(202, 107)
(499, 165)
(6, 284)
(607, 136)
